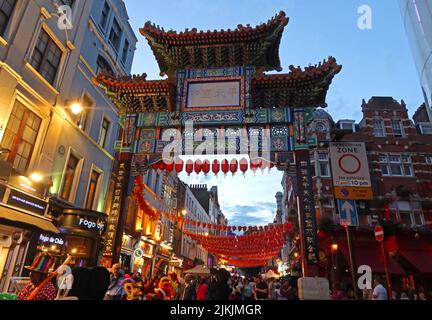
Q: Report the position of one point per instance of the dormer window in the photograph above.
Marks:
(378, 128)
(397, 128)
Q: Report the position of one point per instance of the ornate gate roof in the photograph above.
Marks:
(193, 49)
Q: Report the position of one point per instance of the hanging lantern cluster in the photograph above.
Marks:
(215, 166)
(251, 249)
(138, 194)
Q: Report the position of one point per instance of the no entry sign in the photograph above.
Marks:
(379, 233)
(351, 177)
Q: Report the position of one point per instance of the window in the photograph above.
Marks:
(91, 195)
(396, 165)
(323, 164)
(6, 9)
(104, 16)
(69, 177)
(82, 118)
(125, 51)
(378, 127)
(115, 35)
(428, 159)
(20, 136)
(46, 57)
(69, 3)
(103, 65)
(397, 128)
(425, 128)
(104, 133)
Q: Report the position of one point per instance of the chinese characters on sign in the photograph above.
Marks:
(307, 207)
(114, 214)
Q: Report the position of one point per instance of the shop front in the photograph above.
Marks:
(162, 260)
(143, 257)
(83, 232)
(22, 216)
(175, 265)
(126, 253)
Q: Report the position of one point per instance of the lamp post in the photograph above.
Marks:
(184, 214)
(334, 251)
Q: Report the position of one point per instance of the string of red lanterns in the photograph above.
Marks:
(254, 248)
(215, 167)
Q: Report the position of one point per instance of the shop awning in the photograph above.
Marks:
(372, 257)
(420, 259)
(28, 219)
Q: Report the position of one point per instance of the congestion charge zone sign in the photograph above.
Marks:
(351, 177)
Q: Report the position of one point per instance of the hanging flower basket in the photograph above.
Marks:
(403, 192)
(427, 204)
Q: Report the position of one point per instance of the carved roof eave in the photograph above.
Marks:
(320, 76)
(268, 58)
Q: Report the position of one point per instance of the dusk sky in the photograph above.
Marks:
(376, 62)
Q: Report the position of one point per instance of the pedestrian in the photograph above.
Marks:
(221, 291)
(380, 292)
(116, 288)
(39, 272)
(410, 292)
(248, 290)
(261, 289)
(288, 292)
(404, 296)
(189, 292)
(337, 293)
(395, 295)
(422, 296)
(202, 290)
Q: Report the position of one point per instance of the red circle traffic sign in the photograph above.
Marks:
(379, 233)
(350, 160)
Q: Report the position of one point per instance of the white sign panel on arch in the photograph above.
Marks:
(350, 165)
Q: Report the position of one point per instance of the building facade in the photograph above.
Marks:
(58, 129)
(401, 173)
(417, 19)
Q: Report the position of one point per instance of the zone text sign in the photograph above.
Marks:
(350, 167)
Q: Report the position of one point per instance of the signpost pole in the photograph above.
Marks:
(387, 271)
(352, 261)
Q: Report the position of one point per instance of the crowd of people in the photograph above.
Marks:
(379, 291)
(114, 284)
(220, 285)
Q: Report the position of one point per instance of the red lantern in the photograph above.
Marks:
(225, 167)
(255, 165)
(216, 167)
(234, 166)
(161, 166)
(234, 229)
(198, 166)
(179, 163)
(189, 167)
(169, 166)
(206, 167)
(244, 165)
(245, 229)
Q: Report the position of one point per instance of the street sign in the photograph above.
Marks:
(379, 233)
(348, 213)
(351, 177)
(353, 193)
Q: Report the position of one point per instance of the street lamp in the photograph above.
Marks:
(334, 251)
(334, 247)
(76, 108)
(36, 177)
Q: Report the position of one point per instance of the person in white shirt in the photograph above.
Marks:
(379, 293)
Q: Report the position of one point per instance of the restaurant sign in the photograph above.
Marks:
(307, 207)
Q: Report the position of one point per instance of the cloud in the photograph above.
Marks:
(258, 213)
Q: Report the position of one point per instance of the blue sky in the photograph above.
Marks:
(375, 62)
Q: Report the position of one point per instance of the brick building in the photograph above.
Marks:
(400, 163)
